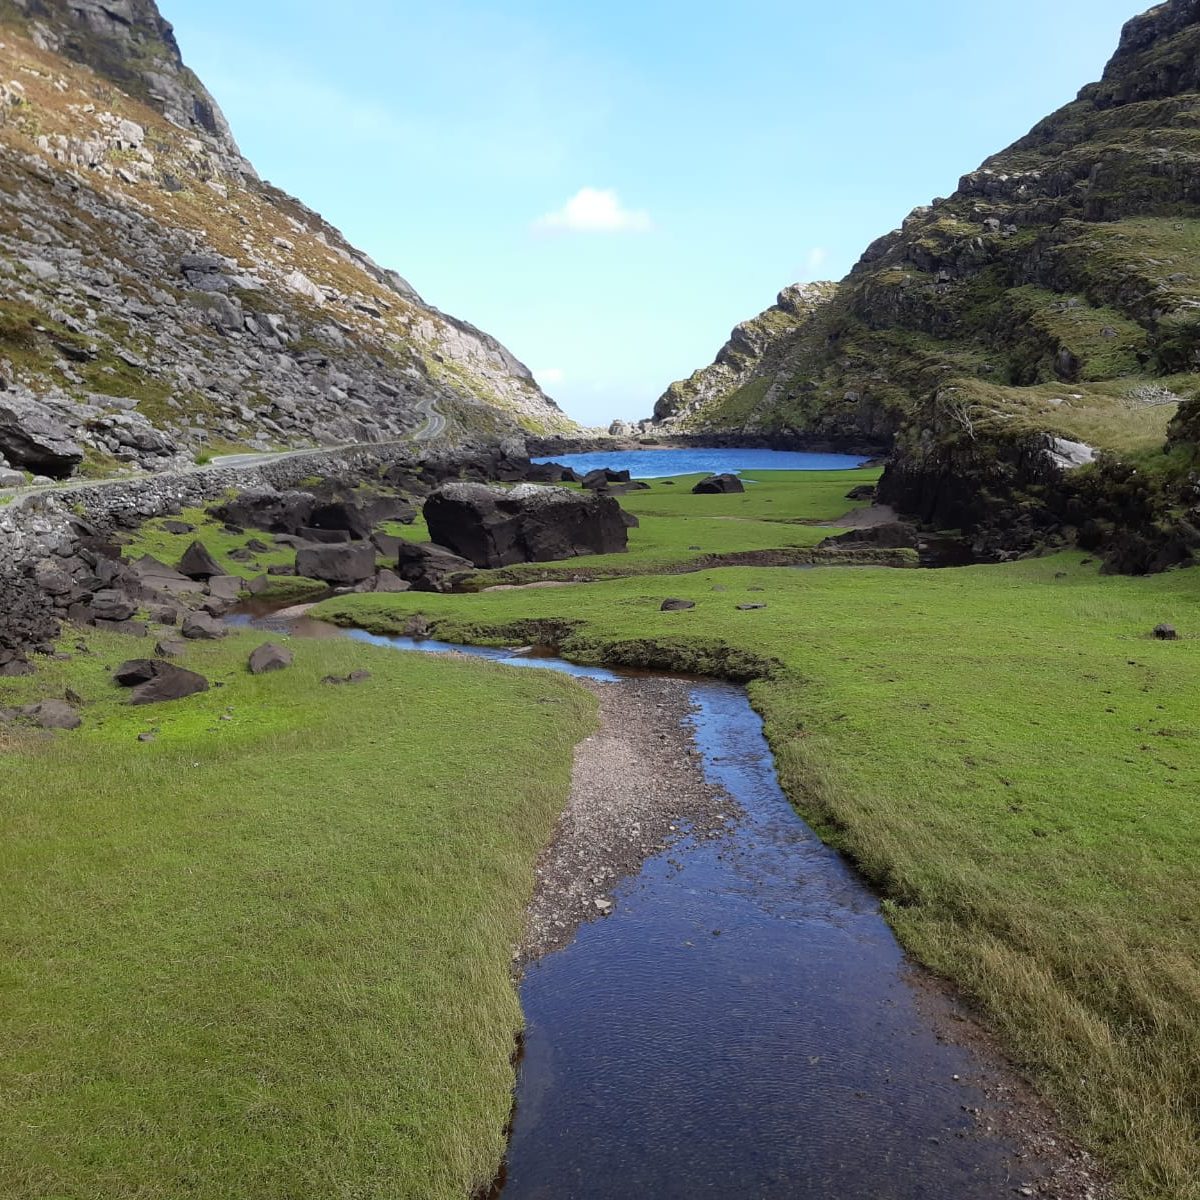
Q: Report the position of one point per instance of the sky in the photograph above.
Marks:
(609, 187)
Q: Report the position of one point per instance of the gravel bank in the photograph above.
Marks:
(637, 786)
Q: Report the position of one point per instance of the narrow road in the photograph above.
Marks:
(434, 428)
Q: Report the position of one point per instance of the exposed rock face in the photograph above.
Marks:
(156, 297)
(744, 359)
(497, 528)
(1042, 315)
(30, 437)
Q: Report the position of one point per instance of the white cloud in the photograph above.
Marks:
(814, 262)
(594, 210)
(550, 376)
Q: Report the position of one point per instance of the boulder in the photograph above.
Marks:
(111, 605)
(52, 714)
(156, 579)
(337, 564)
(493, 527)
(631, 522)
(226, 587)
(179, 528)
(324, 537)
(341, 516)
(30, 437)
(389, 581)
(676, 605)
(198, 563)
(135, 671)
(276, 512)
(387, 544)
(429, 568)
(168, 648)
(1166, 633)
(551, 472)
(269, 657)
(603, 477)
(716, 485)
(864, 491)
(168, 682)
(200, 627)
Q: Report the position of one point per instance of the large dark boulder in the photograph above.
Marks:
(275, 512)
(552, 473)
(337, 564)
(497, 528)
(429, 568)
(602, 477)
(198, 563)
(154, 681)
(342, 516)
(30, 437)
(716, 485)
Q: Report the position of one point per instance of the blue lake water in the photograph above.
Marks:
(658, 464)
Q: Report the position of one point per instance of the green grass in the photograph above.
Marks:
(1012, 759)
(269, 956)
(154, 540)
(776, 512)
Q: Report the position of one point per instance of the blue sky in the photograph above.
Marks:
(610, 187)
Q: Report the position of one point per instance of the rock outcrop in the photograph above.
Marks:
(744, 361)
(495, 527)
(157, 299)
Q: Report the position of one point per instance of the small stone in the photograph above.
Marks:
(677, 605)
(1166, 633)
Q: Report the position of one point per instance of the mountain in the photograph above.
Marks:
(1021, 346)
(740, 374)
(158, 300)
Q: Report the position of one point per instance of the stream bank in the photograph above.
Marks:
(715, 1005)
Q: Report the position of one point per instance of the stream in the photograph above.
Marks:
(744, 1025)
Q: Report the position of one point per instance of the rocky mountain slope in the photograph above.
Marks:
(740, 366)
(158, 301)
(1044, 315)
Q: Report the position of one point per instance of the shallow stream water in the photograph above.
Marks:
(744, 1026)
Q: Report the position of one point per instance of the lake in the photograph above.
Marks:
(658, 464)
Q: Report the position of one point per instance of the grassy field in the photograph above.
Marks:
(1006, 751)
(267, 954)
(167, 547)
(780, 510)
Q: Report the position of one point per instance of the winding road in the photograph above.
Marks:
(434, 427)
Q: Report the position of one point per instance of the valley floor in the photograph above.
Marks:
(1005, 750)
(213, 938)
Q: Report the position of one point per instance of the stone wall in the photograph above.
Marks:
(43, 524)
